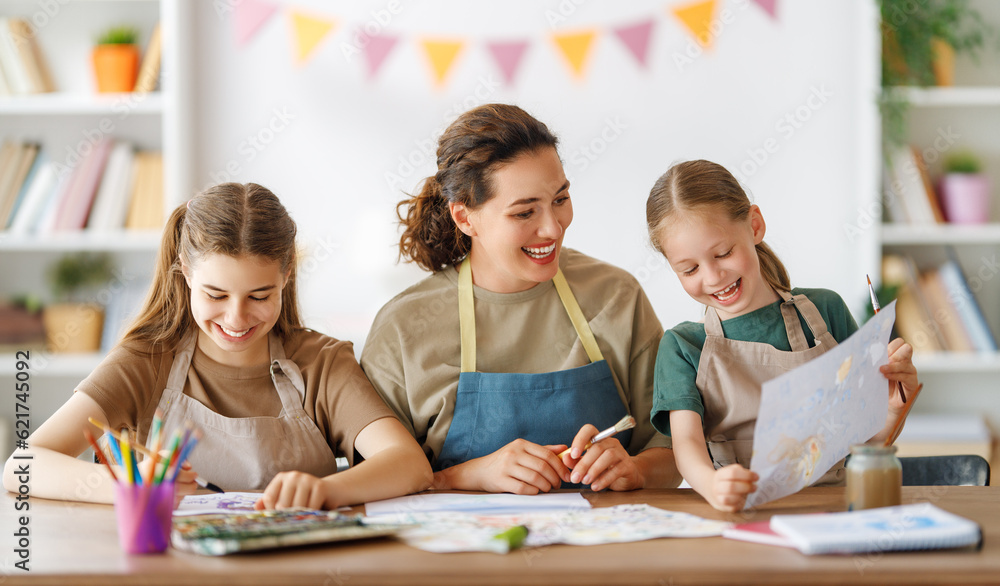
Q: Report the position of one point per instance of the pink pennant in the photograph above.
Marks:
(769, 6)
(508, 57)
(636, 38)
(249, 16)
(379, 47)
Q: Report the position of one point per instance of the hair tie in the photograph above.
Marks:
(189, 205)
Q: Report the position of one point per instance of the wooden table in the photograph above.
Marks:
(73, 543)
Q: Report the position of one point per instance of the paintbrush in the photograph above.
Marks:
(627, 422)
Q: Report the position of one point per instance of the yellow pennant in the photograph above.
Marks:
(576, 48)
(697, 17)
(307, 32)
(442, 55)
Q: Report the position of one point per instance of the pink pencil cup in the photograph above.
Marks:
(144, 516)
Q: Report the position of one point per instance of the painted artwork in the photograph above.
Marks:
(215, 503)
(810, 416)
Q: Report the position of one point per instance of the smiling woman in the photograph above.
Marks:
(515, 347)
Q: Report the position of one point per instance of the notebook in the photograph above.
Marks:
(904, 527)
(231, 533)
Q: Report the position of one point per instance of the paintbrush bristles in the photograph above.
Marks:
(627, 422)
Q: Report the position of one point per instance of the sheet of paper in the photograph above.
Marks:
(215, 503)
(448, 532)
(810, 416)
(480, 504)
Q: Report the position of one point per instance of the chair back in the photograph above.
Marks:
(965, 470)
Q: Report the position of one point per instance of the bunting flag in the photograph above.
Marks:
(379, 47)
(441, 54)
(307, 33)
(575, 48)
(249, 16)
(697, 17)
(636, 38)
(769, 6)
(508, 57)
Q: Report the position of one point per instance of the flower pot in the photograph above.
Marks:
(116, 67)
(73, 327)
(965, 198)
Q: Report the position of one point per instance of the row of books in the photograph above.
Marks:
(935, 309)
(111, 187)
(910, 197)
(22, 68)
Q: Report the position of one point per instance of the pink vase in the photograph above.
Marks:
(965, 198)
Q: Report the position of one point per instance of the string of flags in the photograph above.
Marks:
(309, 31)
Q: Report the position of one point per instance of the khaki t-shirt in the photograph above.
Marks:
(338, 397)
(413, 352)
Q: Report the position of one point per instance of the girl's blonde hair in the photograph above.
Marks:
(232, 219)
(469, 151)
(699, 186)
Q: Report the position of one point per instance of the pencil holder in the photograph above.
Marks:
(144, 516)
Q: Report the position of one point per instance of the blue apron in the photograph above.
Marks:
(494, 409)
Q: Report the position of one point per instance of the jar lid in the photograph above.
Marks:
(872, 450)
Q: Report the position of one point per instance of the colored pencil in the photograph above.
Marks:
(98, 453)
(127, 459)
(172, 453)
(157, 434)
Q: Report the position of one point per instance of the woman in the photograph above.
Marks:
(513, 346)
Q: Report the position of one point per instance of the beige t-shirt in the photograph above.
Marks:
(413, 352)
(338, 397)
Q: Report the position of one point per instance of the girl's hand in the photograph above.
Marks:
(520, 467)
(900, 369)
(730, 487)
(605, 464)
(294, 489)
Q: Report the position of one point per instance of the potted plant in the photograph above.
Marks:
(965, 190)
(116, 60)
(73, 323)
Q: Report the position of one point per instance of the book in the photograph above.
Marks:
(38, 194)
(111, 201)
(906, 188)
(30, 56)
(944, 312)
(146, 202)
(149, 71)
(905, 527)
(29, 179)
(10, 192)
(10, 157)
(968, 309)
(18, 81)
(913, 316)
(251, 531)
(757, 532)
(79, 197)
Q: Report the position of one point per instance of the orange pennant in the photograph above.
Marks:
(697, 17)
(575, 48)
(442, 55)
(307, 33)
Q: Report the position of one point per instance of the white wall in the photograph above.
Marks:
(815, 63)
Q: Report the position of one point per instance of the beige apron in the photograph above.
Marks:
(245, 453)
(731, 373)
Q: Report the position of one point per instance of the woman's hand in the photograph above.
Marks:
(520, 467)
(294, 489)
(605, 464)
(730, 487)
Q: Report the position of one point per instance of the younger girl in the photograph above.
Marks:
(219, 342)
(709, 375)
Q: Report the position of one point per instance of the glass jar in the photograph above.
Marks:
(874, 477)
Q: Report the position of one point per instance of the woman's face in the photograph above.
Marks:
(517, 235)
(235, 301)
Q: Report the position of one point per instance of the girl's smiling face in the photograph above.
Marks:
(716, 260)
(517, 235)
(235, 301)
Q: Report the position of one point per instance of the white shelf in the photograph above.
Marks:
(47, 364)
(957, 362)
(64, 103)
(950, 96)
(940, 234)
(118, 240)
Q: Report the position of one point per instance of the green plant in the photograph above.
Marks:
(963, 162)
(119, 35)
(74, 273)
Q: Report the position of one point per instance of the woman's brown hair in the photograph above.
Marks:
(468, 153)
(232, 219)
(699, 186)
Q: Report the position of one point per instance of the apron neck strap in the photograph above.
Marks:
(467, 317)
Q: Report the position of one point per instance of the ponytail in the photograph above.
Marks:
(772, 269)
(430, 236)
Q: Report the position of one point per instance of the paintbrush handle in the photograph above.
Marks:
(897, 428)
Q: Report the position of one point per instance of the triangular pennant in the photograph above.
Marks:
(697, 17)
(576, 48)
(379, 47)
(441, 54)
(249, 16)
(769, 6)
(307, 32)
(508, 57)
(636, 38)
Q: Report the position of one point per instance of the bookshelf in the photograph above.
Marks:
(156, 121)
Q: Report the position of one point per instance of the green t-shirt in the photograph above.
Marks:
(680, 349)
